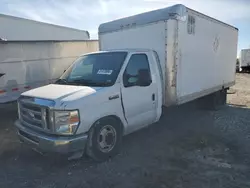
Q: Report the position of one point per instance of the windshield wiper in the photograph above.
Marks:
(103, 84)
(89, 83)
(80, 81)
(61, 81)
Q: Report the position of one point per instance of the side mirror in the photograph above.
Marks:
(144, 77)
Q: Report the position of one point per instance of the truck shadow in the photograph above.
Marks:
(173, 142)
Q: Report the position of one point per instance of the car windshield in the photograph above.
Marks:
(100, 69)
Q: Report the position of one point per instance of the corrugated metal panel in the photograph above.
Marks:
(19, 29)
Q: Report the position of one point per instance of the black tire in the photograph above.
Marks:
(93, 148)
(213, 101)
(223, 97)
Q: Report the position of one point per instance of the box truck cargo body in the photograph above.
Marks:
(245, 60)
(160, 58)
(197, 53)
(27, 65)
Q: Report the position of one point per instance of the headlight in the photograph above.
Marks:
(66, 122)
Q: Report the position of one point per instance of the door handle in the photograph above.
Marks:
(153, 97)
(114, 97)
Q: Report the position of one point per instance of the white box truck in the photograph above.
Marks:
(160, 58)
(245, 60)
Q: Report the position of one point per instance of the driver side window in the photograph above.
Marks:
(137, 72)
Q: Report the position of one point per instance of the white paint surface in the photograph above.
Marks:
(206, 59)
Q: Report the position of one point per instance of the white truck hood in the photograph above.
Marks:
(55, 92)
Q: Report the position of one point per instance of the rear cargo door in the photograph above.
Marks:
(139, 97)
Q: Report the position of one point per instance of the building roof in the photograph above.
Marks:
(21, 29)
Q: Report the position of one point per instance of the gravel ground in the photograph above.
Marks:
(188, 148)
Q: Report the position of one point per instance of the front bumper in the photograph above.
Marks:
(50, 143)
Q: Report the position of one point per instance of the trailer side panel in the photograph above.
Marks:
(207, 51)
(27, 65)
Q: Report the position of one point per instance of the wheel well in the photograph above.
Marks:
(113, 117)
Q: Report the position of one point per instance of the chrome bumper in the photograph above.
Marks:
(50, 143)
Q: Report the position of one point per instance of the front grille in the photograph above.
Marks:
(34, 116)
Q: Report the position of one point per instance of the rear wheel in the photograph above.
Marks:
(213, 101)
(105, 138)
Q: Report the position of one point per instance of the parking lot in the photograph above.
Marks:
(187, 148)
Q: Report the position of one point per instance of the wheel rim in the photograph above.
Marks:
(107, 138)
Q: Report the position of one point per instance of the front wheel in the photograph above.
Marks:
(105, 138)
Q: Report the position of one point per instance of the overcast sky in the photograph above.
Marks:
(88, 14)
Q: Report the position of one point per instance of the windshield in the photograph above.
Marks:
(99, 69)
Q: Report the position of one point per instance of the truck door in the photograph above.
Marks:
(139, 92)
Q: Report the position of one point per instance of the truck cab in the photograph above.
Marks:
(99, 98)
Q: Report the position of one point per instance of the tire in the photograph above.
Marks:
(223, 97)
(213, 101)
(96, 149)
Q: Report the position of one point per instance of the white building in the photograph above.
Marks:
(20, 29)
